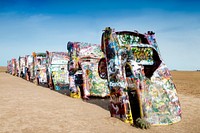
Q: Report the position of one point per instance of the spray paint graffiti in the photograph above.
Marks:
(58, 70)
(22, 69)
(83, 67)
(139, 81)
(40, 68)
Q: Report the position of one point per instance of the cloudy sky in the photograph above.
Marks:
(40, 25)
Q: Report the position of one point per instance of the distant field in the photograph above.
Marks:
(3, 69)
(187, 82)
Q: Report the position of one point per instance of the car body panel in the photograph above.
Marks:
(29, 64)
(84, 58)
(9, 66)
(58, 69)
(22, 68)
(40, 68)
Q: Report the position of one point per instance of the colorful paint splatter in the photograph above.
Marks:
(58, 70)
(84, 58)
(140, 83)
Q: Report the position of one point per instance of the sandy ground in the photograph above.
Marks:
(27, 108)
(3, 69)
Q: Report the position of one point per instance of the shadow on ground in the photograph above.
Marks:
(101, 102)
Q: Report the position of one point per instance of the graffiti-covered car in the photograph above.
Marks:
(17, 67)
(14, 67)
(40, 68)
(22, 68)
(58, 70)
(142, 91)
(9, 66)
(83, 69)
(29, 65)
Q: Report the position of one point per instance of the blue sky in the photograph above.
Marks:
(40, 25)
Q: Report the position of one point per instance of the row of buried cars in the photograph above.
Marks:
(76, 70)
(127, 67)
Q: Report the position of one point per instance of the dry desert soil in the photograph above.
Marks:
(28, 108)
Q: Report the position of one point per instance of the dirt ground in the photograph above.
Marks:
(27, 108)
(3, 69)
(187, 82)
